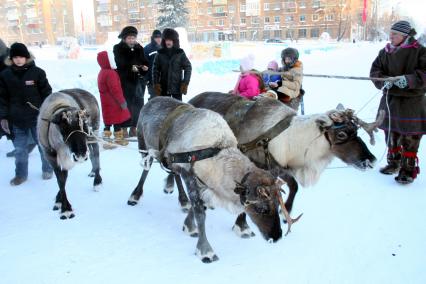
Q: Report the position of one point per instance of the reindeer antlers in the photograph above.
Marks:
(370, 128)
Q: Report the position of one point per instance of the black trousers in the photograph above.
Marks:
(134, 95)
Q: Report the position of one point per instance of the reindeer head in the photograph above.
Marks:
(340, 128)
(258, 191)
(74, 126)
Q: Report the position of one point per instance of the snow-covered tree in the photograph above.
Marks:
(173, 14)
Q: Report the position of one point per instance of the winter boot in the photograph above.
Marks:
(132, 132)
(394, 161)
(17, 181)
(47, 175)
(106, 136)
(409, 168)
(125, 132)
(119, 138)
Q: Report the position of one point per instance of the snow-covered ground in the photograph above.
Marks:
(358, 227)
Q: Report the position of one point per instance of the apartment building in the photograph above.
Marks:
(36, 21)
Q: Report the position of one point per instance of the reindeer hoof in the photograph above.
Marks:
(244, 234)
(168, 190)
(185, 207)
(192, 233)
(67, 215)
(132, 201)
(207, 257)
(57, 206)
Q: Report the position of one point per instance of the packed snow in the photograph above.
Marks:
(357, 227)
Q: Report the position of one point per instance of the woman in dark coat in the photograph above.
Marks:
(132, 67)
(169, 64)
(405, 59)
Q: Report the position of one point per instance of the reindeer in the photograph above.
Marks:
(295, 148)
(198, 145)
(65, 124)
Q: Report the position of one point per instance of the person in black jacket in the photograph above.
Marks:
(150, 53)
(23, 88)
(168, 65)
(131, 67)
(4, 53)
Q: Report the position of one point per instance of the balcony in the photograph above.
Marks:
(218, 15)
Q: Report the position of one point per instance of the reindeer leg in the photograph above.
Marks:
(189, 226)
(293, 188)
(96, 167)
(204, 250)
(137, 192)
(61, 198)
(185, 205)
(241, 228)
(170, 183)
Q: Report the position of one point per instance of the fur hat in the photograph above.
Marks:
(273, 65)
(402, 27)
(170, 34)
(19, 49)
(128, 31)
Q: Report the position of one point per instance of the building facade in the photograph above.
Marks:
(36, 21)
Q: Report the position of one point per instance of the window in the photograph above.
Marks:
(302, 5)
(276, 6)
(329, 17)
(289, 18)
(289, 6)
(315, 17)
(277, 34)
(316, 4)
(210, 23)
(266, 34)
(314, 32)
(219, 9)
(266, 6)
(255, 20)
(221, 22)
(302, 33)
(209, 10)
(243, 35)
(266, 20)
(277, 19)
(302, 18)
(243, 8)
(290, 34)
(231, 9)
(243, 21)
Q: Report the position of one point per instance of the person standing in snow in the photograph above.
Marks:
(171, 71)
(23, 88)
(290, 89)
(151, 50)
(250, 83)
(405, 59)
(114, 107)
(131, 67)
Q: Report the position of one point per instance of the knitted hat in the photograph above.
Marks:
(156, 33)
(19, 49)
(273, 65)
(128, 31)
(402, 27)
(247, 63)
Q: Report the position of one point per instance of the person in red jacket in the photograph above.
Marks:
(114, 107)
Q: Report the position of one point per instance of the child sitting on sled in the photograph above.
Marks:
(250, 83)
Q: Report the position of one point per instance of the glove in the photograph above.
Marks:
(5, 125)
(123, 106)
(157, 89)
(184, 88)
(135, 69)
(401, 82)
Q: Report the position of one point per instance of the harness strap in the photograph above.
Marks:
(193, 156)
(264, 139)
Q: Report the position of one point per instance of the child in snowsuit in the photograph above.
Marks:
(114, 107)
(23, 88)
(250, 83)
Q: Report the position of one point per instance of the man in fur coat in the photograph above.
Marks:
(405, 59)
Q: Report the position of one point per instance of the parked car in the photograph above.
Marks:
(276, 41)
